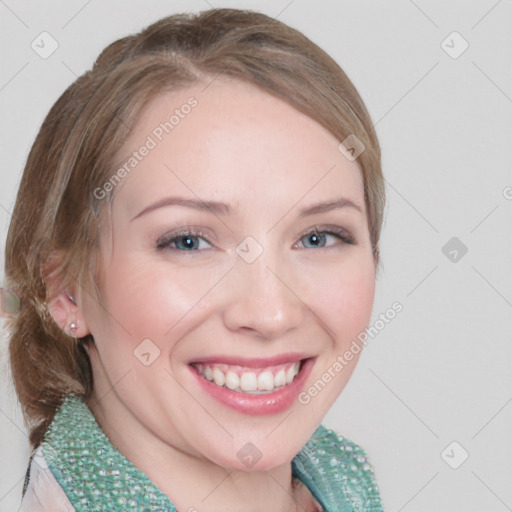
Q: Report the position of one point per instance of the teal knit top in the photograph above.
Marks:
(95, 476)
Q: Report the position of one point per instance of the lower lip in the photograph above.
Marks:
(258, 405)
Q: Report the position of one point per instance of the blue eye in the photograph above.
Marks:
(318, 238)
(189, 239)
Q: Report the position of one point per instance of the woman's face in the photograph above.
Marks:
(239, 238)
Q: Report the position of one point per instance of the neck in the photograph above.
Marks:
(194, 483)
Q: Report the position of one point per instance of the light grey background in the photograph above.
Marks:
(441, 370)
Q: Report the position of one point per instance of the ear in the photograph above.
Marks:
(62, 302)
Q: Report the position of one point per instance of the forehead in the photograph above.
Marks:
(233, 142)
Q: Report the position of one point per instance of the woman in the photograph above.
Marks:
(195, 240)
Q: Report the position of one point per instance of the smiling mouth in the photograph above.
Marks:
(254, 381)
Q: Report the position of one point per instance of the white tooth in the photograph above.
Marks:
(218, 377)
(290, 373)
(266, 381)
(280, 379)
(232, 380)
(248, 382)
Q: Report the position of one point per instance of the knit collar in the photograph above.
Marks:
(97, 477)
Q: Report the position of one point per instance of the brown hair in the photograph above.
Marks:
(74, 150)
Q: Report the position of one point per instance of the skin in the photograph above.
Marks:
(255, 152)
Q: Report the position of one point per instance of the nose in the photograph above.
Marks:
(263, 298)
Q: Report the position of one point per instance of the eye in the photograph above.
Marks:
(188, 240)
(317, 236)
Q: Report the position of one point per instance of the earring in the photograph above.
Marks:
(73, 326)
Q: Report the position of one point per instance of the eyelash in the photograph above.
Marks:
(163, 243)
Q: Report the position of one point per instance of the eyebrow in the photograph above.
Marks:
(329, 205)
(220, 208)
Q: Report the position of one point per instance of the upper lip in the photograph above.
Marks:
(252, 362)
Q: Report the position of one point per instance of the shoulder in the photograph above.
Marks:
(42, 492)
(339, 470)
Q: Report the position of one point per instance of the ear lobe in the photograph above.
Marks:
(61, 302)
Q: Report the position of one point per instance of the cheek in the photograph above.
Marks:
(153, 298)
(347, 300)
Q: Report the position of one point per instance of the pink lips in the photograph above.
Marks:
(253, 362)
(256, 404)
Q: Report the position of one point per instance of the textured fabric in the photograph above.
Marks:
(95, 476)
